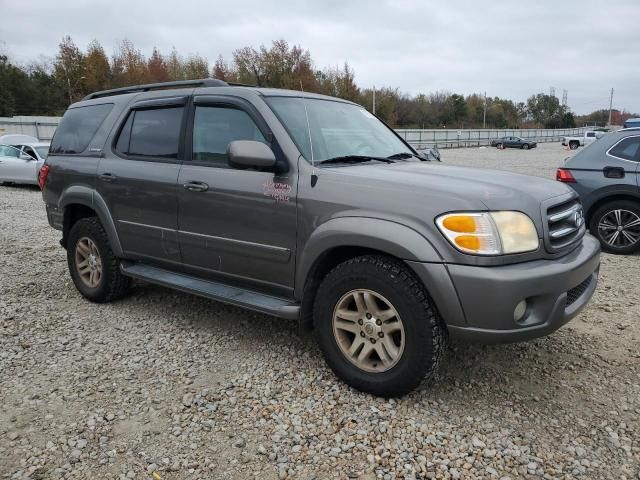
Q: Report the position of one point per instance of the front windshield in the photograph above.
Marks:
(43, 152)
(337, 129)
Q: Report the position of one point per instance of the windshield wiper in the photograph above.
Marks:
(403, 155)
(355, 159)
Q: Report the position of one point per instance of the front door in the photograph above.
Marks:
(138, 180)
(235, 225)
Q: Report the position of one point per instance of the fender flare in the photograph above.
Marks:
(386, 236)
(603, 193)
(82, 195)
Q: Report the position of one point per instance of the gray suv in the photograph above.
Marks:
(308, 207)
(605, 175)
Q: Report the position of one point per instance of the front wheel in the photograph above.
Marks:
(525, 146)
(617, 226)
(573, 145)
(377, 326)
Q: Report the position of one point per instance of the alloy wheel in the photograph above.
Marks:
(88, 262)
(619, 228)
(368, 330)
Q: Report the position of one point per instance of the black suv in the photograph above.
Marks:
(605, 175)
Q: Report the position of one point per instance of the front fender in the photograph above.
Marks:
(386, 236)
(81, 195)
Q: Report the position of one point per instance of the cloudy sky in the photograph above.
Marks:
(508, 49)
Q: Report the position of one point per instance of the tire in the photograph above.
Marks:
(605, 223)
(573, 145)
(525, 146)
(423, 333)
(110, 284)
(499, 146)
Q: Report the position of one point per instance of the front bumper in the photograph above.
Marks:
(555, 290)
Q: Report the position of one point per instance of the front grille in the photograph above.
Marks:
(565, 225)
(576, 292)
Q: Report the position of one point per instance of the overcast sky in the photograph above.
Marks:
(509, 49)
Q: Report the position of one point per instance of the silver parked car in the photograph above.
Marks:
(22, 163)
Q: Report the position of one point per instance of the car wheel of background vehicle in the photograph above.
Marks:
(573, 145)
(377, 326)
(499, 146)
(525, 146)
(617, 226)
(94, 268)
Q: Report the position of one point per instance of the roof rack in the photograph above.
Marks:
(203, 82)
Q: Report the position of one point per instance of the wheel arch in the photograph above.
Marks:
(347, 237)
(607, 197)
(81, 202)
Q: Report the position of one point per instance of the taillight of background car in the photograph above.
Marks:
(565, 176)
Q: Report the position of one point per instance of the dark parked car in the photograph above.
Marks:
(513, 142)
(308, 207)
(605, 175)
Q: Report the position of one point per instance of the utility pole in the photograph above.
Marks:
(374, 99)
(610, 108)
(484, 113)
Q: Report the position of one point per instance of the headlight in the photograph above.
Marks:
(489, 233)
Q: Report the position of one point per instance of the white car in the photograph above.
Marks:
(22, 164)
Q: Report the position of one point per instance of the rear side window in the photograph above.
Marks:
(77, 128)
(214, 128)
(627, 149)
(151, 133)
(7, 151)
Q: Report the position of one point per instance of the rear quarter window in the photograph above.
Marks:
(77, 128)
(627, 149)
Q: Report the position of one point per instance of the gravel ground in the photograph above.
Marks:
(169, 386)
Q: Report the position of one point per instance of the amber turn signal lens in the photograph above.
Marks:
(460, 223)
(468, 242)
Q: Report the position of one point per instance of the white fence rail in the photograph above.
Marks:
(44, 127)
(449, 138)
(40, 127)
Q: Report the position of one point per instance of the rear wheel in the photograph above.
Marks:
(94, 268)
(617, 226)
(377, 326)
(499, 146)
(573, 145)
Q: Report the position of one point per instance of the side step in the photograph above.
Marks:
(278, 307)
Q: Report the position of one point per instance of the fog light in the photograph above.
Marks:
(520, 310)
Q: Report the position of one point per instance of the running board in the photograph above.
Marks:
(276, 306)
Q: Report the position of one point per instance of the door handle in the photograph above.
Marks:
(613, 172)
(196, 186)
(107, 177)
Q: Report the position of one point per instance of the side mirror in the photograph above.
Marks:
(250, 153)
(26, 156)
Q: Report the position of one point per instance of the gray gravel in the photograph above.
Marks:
(170, 386)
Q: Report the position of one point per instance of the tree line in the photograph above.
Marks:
(48, 86)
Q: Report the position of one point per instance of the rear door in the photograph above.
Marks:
(623, 159)
(138, 178)
(236, 225)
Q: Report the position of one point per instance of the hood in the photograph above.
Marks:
(496, 189)
(437, 188)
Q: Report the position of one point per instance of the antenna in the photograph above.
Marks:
(314, 177)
